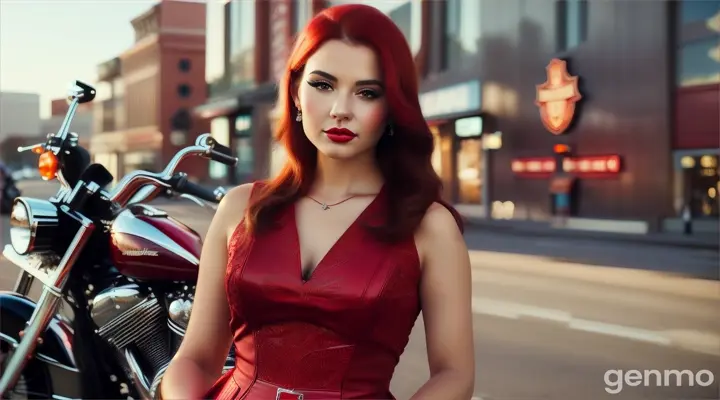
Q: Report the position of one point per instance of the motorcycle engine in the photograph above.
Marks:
(145, 331)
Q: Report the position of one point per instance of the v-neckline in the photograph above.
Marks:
(298, 267)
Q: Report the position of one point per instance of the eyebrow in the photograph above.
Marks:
(358, 83)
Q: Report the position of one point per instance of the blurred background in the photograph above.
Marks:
(590, 184)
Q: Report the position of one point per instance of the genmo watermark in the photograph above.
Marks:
(617, 379)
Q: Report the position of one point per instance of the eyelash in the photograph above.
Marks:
(322, 86)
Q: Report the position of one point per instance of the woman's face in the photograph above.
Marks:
(342, 99)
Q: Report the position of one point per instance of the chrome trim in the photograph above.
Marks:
(23, 283)
(137, 375)
(130, 183)
(177, 329)
(47, 304)
(110, 303)
(127, 223)
(280, 391)
(42, 216)
(56, 397)
(39, 356)
(179, 311)
(200, 202)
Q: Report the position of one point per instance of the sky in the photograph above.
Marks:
(46, 44)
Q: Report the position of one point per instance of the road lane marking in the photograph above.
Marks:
(620, 331)
(695, 341)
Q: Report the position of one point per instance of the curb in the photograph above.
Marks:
(707, 242)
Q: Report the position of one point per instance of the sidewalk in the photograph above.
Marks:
(533, 228)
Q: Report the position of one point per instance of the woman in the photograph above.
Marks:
(317, 276)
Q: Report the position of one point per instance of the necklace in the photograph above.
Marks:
(326, 206)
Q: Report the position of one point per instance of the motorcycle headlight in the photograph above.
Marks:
(33, 224)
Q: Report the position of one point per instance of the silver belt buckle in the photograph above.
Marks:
(280, 391)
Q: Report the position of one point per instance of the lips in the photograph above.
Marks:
(340, 135)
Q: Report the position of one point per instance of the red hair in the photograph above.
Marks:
(411, 183)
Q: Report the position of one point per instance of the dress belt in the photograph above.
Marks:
(252, 389)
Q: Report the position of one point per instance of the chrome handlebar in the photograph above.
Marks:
(129, 185)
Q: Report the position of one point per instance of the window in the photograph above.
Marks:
(181, 120)
(184, 90)
(572, 23)
(220, 131)
(470, 171)
(243, 146)
(692, 11)
(242, 42)
(698, 52)
(214, 41)
(407, 16)
(303, 13)
(462, 32)
(699, 63)
(244, 153)
(184, 65)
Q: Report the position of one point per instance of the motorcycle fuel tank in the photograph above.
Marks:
(147, 244)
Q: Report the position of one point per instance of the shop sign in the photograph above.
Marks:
(455, 99)
(592, 165)
(535, 166)
(556, 97)
(469, 127)
(587, 166)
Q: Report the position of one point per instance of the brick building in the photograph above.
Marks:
(143, 109)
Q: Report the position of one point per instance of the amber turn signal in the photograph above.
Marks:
(48, 165)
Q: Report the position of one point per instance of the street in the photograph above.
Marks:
(556, 318)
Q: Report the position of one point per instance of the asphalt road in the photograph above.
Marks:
(554, 317)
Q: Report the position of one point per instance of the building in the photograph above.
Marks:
(143, 110)
(20, 125)
(566, 111)
(248, 43)
(82, 124)
(642, 140)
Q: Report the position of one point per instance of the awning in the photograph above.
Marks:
(561, 185)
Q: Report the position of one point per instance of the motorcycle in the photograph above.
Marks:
(125, 271)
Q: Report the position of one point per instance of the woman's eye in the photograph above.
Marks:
(369, 94)
(320, 85)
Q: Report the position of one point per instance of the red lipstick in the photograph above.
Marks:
(340, 135)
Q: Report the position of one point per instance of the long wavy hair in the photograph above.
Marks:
(411, 183)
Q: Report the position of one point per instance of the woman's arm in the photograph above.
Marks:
(446, 295)
(201, 356)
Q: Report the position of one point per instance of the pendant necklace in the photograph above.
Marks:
(326, 206)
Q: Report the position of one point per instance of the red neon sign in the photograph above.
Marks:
(584, 166)
(592, 165)
(535, 166)
(556, 97)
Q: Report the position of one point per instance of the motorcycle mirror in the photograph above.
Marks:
(81, 91)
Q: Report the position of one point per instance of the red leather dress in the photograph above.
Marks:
(338, 335)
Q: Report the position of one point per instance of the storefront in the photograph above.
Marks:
(454, 116)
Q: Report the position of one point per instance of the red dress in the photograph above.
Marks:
(339, 335)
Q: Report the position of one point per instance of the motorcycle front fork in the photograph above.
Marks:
(23, 283)
(46, 308)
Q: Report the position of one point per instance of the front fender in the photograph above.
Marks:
(15, 312)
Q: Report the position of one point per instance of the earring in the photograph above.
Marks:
(298, 117)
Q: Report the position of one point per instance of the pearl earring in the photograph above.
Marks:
(298, 117)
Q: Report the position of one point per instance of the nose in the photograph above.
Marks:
(341, 109)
